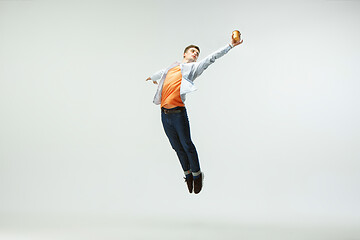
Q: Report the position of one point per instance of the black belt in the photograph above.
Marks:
(173, 110)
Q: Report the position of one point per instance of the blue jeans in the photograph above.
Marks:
(177, 129)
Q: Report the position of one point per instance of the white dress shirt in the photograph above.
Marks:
(189, 72)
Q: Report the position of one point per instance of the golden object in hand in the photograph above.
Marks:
(236, 35)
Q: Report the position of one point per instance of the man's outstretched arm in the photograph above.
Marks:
(206, 62)
(156, 76)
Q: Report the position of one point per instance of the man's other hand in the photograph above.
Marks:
(149, 78)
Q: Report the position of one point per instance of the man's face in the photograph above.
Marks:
(191, 55)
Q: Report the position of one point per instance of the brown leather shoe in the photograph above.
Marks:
(189, 182)
(198, 183)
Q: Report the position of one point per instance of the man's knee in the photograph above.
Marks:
(177, 147)
(189, 147)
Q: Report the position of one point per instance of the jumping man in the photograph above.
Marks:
(174, 83)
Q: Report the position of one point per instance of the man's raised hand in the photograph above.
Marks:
(234, 42)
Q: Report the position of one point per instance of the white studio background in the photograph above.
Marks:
(275, 121)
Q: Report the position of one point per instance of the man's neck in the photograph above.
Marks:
(187, 61)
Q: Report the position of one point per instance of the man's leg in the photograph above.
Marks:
(171, 133)
(182, 126)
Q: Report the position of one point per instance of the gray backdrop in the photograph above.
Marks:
(275, 121)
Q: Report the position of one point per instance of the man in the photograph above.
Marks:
(174, 83)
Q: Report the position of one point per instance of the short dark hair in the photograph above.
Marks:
(191, 46)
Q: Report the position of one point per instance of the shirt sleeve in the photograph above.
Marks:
(156, 76)
(199, 67)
